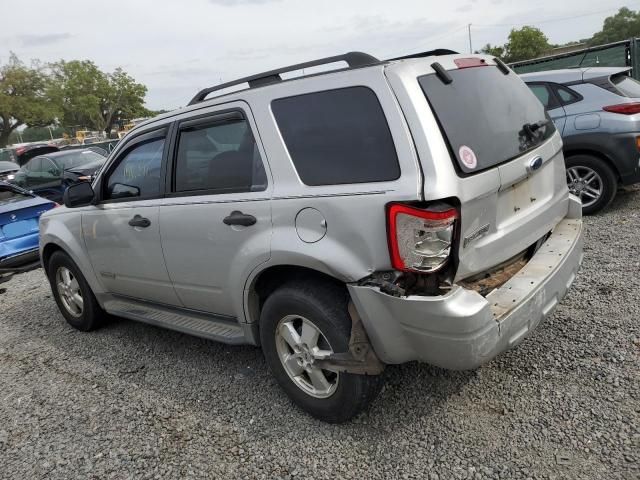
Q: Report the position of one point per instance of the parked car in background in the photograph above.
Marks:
(406, 210)
(8, 170)
(49, 175)
(106, 145)
(24, 153)
(597, 111)
(19, 214)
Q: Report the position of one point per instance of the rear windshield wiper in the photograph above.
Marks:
(532, 129)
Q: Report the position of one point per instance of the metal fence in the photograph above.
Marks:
(619, 54)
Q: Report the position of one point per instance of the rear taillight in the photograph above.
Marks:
(624, 108)
(420, 240)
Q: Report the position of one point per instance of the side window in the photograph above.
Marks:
(137, 173)
(544, 95)
(33, 166)
(566, 95)
(50, 169)
(337, 137)
(219, 157)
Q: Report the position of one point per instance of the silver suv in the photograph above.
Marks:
(380, 213)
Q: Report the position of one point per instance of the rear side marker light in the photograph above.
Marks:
(624, 108)
(420, 240)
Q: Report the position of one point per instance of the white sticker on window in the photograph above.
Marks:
(468, 157)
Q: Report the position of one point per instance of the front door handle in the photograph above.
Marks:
(138, 221)
(239, 218)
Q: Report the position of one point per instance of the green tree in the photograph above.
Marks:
(94, 99)
(124, 98)
(77, 86)
(37, 134)
(495, 50)
(23, 98)
(621, 26)
(525, 43)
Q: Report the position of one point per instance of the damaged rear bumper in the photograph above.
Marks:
(462, 329)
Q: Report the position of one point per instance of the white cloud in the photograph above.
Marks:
(177, 48)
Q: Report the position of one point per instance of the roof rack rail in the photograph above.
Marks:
(353, 59)
(430, 53)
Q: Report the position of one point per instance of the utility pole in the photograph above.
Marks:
(470, 44)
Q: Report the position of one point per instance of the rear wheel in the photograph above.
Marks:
(592, 180)
(301, 323)
(72, 293)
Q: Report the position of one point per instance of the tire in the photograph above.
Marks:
(85, 318)
(603, 179)
(323, 306)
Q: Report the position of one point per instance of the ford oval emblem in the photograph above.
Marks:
(535, 164)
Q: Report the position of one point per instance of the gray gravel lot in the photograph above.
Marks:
(133, 401)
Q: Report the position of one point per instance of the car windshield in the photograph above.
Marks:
(8, 166)
(10, 195)
(6, 155)
(488, 117)
(78, 159)
(626, 85)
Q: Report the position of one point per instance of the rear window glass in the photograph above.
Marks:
(8, 195)
(337, 137)
(627, 86)
(487, 117)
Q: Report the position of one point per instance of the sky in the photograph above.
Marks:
(178, 47)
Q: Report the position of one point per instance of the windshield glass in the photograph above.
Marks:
(9, 195)
(629, 87)
(79, 159)
(488, 117)
(8, 166)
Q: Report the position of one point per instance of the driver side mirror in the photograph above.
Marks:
(78, 195)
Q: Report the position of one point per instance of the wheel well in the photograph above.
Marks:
(48, 250)
(598, 155)
(273, 277)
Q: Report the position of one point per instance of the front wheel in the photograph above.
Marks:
(592, 180)
(304, 322)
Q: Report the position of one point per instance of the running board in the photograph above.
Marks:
(218, 328)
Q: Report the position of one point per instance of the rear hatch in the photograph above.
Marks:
(507, 157)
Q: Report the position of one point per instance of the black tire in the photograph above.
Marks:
(609, 181)
(91, 315)
(324, 305)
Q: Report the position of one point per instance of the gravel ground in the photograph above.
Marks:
(133, 401)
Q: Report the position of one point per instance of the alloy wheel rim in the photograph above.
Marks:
(299, 344)
(585, 183)
(69, 291)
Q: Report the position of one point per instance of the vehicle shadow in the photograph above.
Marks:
(626, 197)
(234, 381)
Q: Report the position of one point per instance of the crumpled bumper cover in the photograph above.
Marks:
(462, 330)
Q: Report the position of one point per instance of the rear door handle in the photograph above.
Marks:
(138, 221)
(239, 218)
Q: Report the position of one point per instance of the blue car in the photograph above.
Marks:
(20, 211)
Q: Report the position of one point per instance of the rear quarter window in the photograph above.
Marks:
(337, 137)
